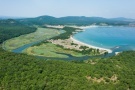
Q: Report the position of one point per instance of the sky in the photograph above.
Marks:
(61, 8)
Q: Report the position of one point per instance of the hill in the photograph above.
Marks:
(72, 20)
(22, 72)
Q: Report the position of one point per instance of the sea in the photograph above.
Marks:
(116, 38)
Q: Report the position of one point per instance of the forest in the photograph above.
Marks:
(25, 72)
(67, 34)
(72, 20)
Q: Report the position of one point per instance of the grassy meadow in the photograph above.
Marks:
(39, 35)
(49, 50)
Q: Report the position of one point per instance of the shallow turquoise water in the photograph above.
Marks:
(115, 38)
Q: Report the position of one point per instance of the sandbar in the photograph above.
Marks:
(90, 46)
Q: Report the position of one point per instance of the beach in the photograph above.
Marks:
(90, 46)
(67, 42)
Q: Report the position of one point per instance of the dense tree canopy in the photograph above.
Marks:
(22, 72)
(68, 32)
(72, 20)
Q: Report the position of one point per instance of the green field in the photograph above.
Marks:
(39, 35)
(49, 50)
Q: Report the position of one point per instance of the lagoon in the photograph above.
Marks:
(116, 38)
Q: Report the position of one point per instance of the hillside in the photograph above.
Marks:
(72, 20)
(22, 72)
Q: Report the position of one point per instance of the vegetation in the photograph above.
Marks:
(84, 47)
(47, 49)
(67, 34)
(22, 72)
(74, 44)
(51, 50)
(40, 35)
(72, 20)
(88, 51)
(11, 28)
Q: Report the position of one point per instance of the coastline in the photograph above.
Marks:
(90, 46)
(66, 43)
(84, 27)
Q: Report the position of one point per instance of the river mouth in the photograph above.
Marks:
(130, 45)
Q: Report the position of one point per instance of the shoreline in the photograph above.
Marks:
(89, 26)
(90, 46)
(83, 28)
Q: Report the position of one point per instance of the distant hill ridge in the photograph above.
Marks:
(75, 20)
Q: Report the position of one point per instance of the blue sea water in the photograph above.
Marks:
(114, 38)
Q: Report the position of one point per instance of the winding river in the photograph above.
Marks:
(70, 57)
(104, 35)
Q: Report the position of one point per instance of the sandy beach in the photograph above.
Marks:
(67, 43)
(84, 27)
(90, 46)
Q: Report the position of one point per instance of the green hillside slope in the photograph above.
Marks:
(22, 72)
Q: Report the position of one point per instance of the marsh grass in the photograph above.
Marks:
(40, 35)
